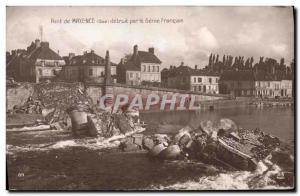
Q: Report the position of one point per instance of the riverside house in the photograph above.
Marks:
(141, 67)
(89, 68)
(37, 63)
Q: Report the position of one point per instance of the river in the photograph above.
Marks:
(73, 167)
(276, 121)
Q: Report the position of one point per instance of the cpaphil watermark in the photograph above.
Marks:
(166, 102)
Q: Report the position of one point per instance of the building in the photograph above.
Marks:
(186, 78)
(256, 84)
(88, 68)
(266, 85)
(272, 86)
(204, 82)
(142, 67)
(286, 87)
(179, 77)
(38, 63)
(237, 83)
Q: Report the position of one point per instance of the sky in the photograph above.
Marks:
(236, 31)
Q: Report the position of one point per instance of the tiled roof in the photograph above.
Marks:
(203, 73)
(241, 75)
(142, 57)
(147, 57)
(91, 59)
(130, 66)
(44, 52)
(181, 70)
(262, 76)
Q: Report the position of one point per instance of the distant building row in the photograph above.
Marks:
(252, 83)
(39, 62)
(267, 78)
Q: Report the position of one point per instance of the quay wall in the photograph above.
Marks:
(95, 90)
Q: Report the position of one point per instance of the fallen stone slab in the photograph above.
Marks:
(148, 143)
(93, 126)
(227, 125)
(156, 150)
(171, 152)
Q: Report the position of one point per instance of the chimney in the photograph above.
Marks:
(58, 52)
(135, 51)
(107, 78)
(196, 66)
(37, 43)
(151, 50)
(182, 63)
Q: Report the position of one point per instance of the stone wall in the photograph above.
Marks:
(18, 95)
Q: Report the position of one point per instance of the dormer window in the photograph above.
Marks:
(84, 61)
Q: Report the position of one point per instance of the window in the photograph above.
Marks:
(136, 75)
(195, 88)
(210, 80)
(200, 89)
(131, 75)
(157, 68)
(217, 80)
(84, 61)
(144, 66)
(153, 68)
(93, 61)
(102, 74)
(199, 79)
(56, 63)
(195, 80)
(90, 72)
(149, 68)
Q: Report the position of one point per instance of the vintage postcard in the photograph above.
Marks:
(150, 98)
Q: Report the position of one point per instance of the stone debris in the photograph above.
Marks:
(171, 152)
(52, 101)
(65, 106)
(221, 143)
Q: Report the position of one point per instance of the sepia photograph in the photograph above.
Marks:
(150, 98)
